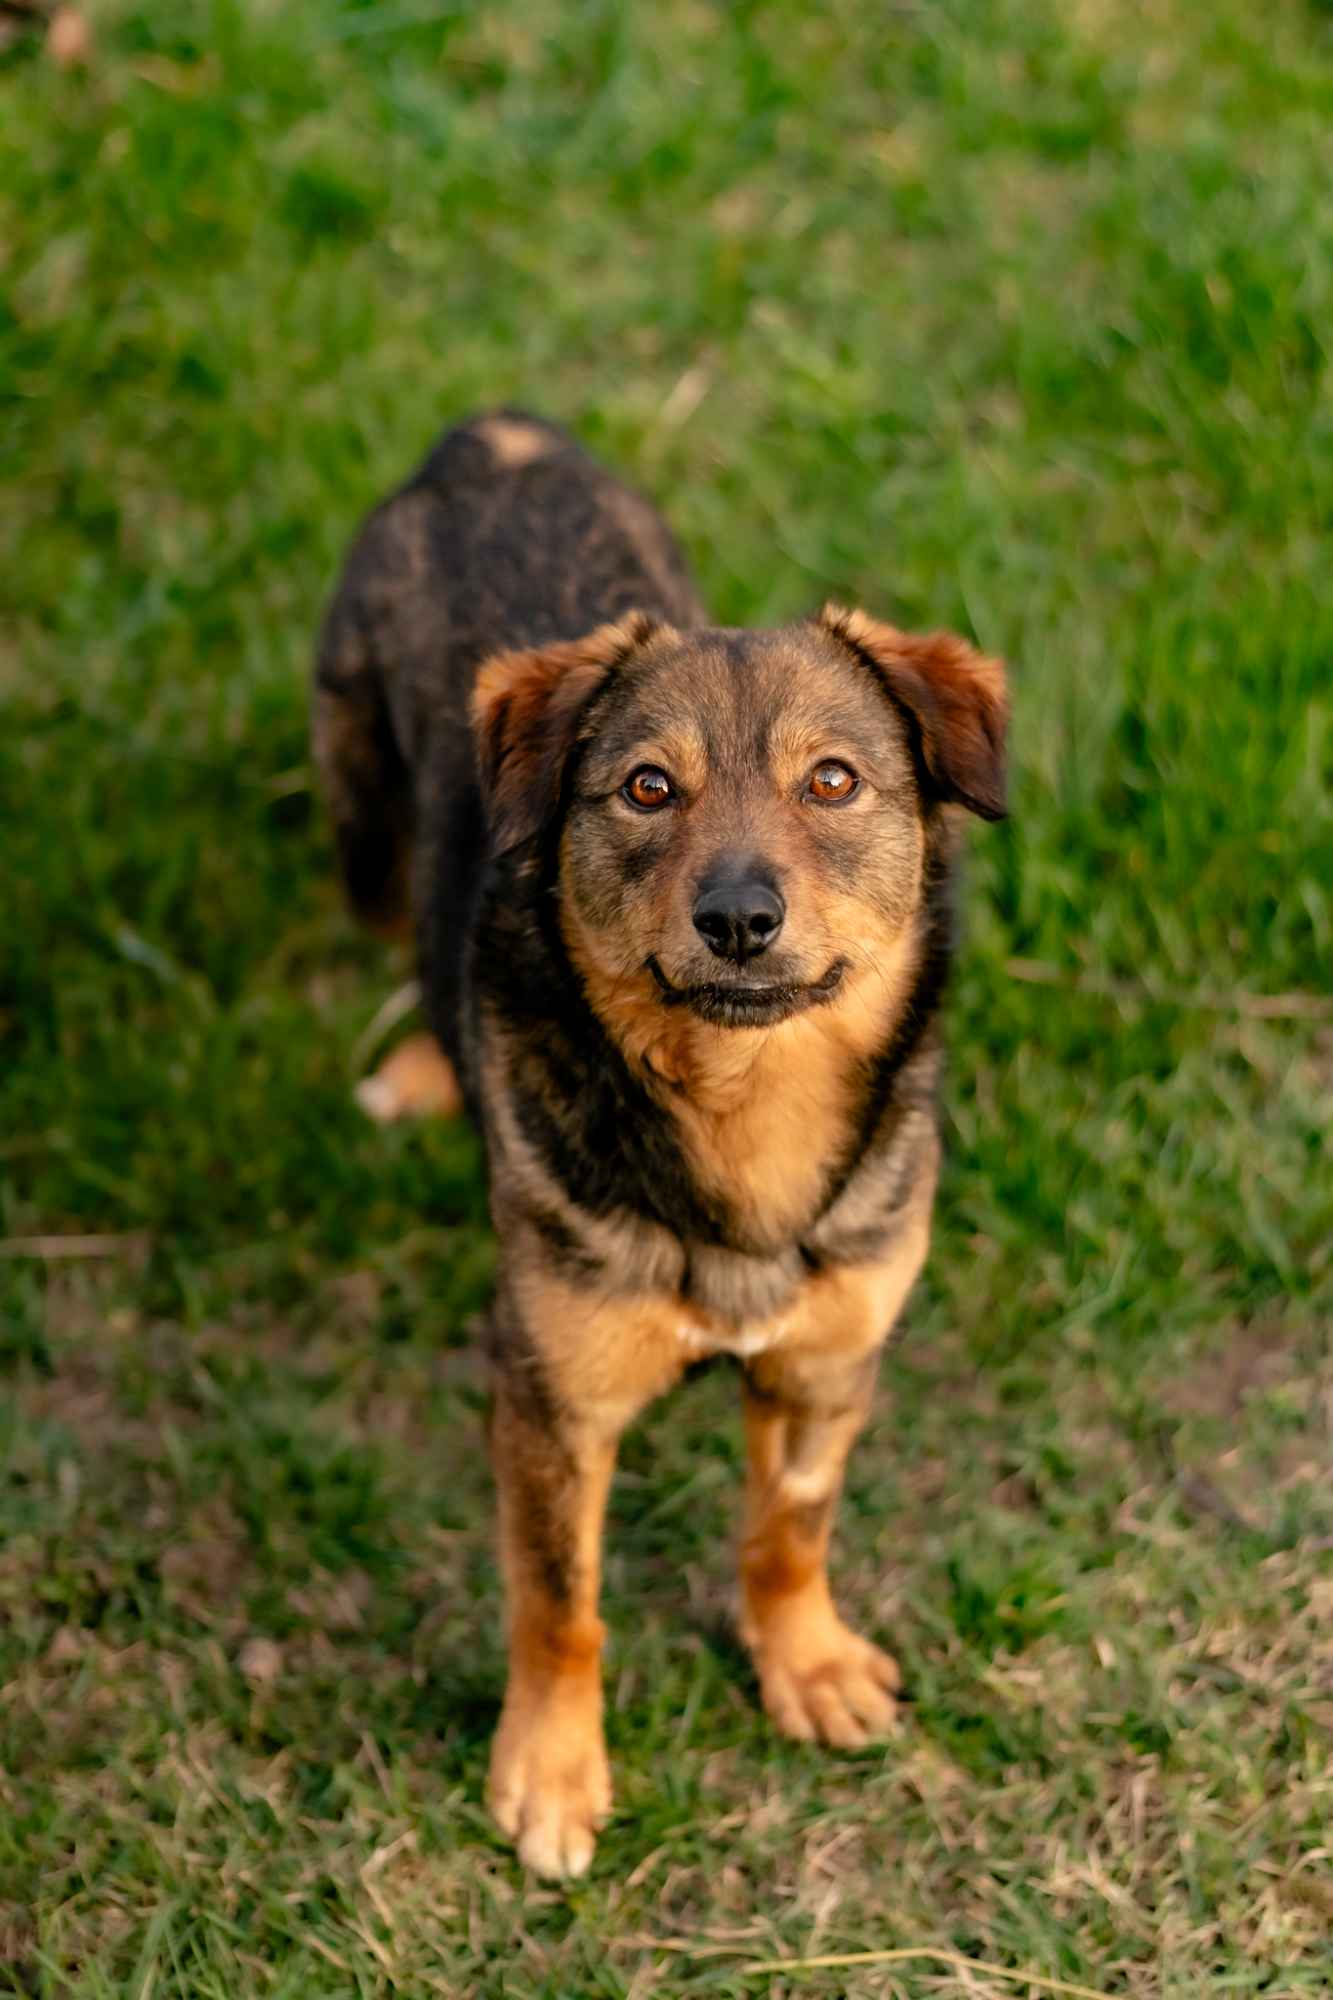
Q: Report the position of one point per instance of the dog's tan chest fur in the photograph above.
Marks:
(764, 1114)
(765, 1125)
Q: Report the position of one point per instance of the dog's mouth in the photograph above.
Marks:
(748, 1003)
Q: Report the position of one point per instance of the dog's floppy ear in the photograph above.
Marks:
(526, 710)
(954, 694)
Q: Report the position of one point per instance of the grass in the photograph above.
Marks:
(1007, 314)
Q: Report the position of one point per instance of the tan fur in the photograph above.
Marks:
(608, 1358)
(763, 1112)
(415, 1080)
(550, 1784)
(889, 645)
(525, 709)
(805, 1404)
(511, 442)
(817, 1677)
(957, 695)
(532, 677)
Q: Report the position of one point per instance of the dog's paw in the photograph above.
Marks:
(550, 1791)
(831, 1688)
(416, 1080)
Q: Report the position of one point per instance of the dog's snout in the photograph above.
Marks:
(738, 914)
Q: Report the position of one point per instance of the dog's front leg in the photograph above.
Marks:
(550, 1784)
(818, 1677)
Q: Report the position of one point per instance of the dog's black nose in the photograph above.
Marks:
(738, 916)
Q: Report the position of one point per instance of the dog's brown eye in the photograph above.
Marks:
(832, 783)
(648, 788)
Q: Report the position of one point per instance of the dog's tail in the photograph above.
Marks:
(360, 761)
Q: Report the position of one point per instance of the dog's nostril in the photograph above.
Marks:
(739, 919)
(715, 925)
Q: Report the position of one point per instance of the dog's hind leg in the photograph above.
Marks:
(370, 797)
(363, 772)
(415, 1080)
(386, 629)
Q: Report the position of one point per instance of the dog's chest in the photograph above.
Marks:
(762, 1151)
(700, 1340)
(742, 1304)
(831, 1304)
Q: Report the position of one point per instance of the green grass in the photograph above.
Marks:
(1008, 314)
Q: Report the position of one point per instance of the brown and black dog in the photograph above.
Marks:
(681, 904)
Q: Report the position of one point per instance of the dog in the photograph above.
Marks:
(681, 904)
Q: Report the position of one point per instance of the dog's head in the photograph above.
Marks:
(742, 816)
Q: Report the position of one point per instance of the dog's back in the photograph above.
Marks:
(508, 535)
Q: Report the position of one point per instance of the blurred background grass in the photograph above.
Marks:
(998, 313)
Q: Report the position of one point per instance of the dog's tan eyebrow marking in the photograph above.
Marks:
(675, 743)
(511, 442)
